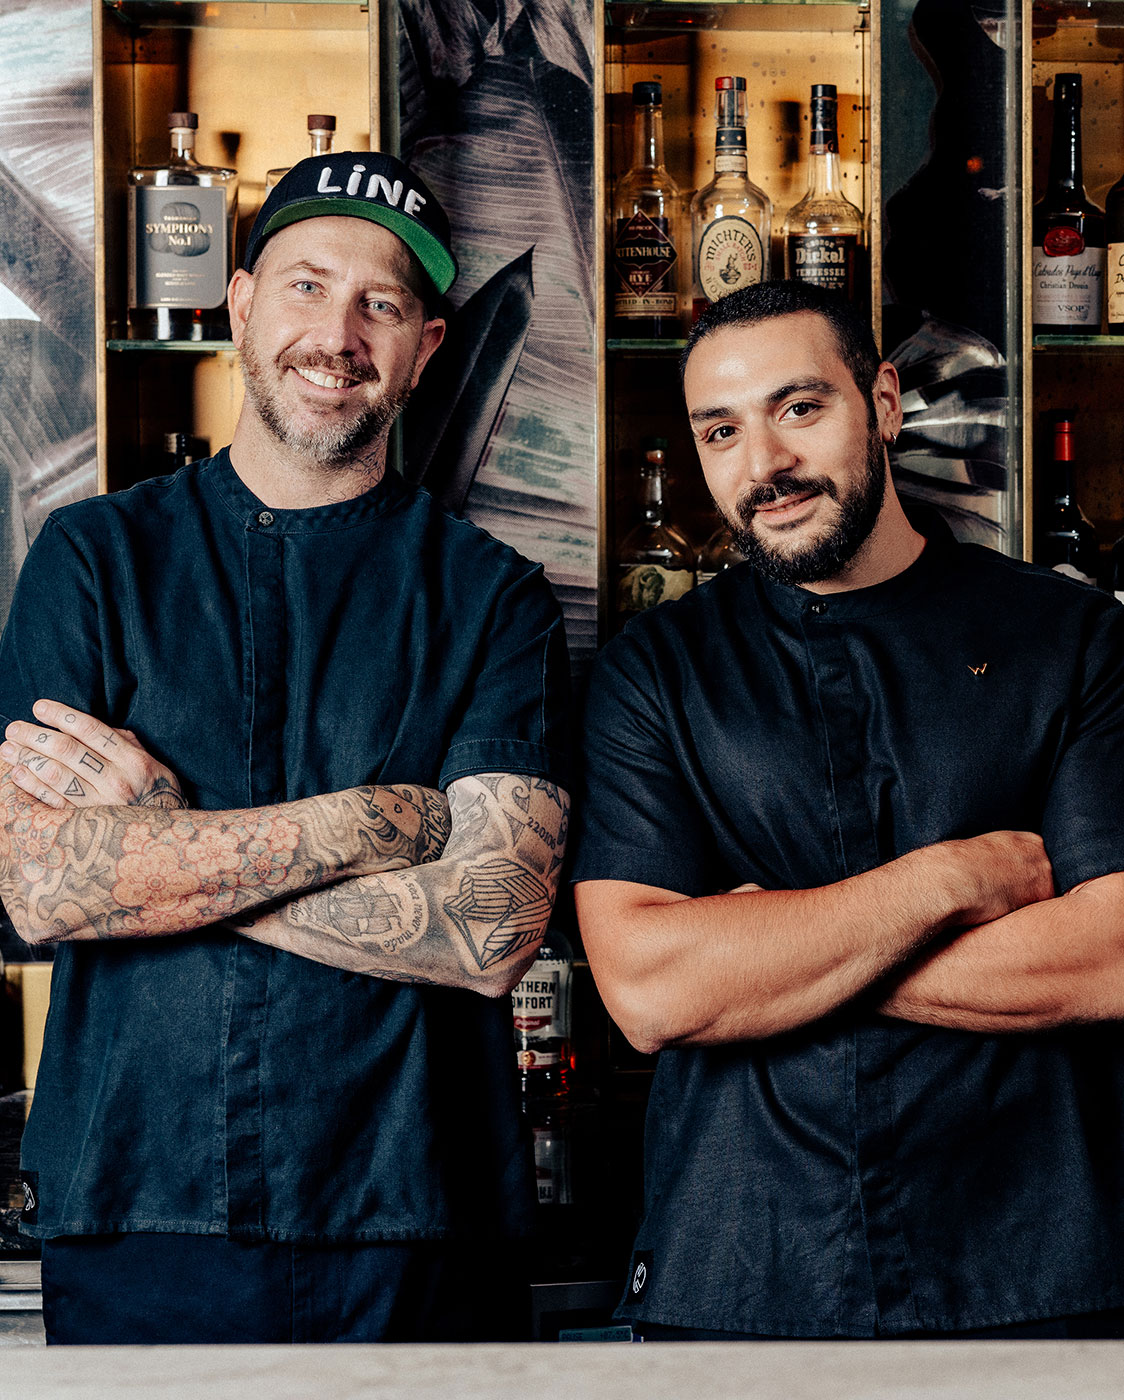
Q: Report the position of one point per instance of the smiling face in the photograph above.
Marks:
(333, 336)
(792, 450)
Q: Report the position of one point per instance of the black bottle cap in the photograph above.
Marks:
(825, 92)
(316, 122)
(647, 94)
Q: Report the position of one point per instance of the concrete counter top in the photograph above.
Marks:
(571, 1371)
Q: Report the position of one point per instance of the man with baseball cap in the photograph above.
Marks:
(276, 1099)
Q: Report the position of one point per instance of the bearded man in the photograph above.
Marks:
(277, 1097)
(850, 861)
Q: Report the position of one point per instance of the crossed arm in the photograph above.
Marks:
(389, 881)
(966, 934)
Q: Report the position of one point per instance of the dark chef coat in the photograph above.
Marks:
(206, 1084)
(863, 1175)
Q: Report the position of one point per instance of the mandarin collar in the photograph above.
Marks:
(220, 475)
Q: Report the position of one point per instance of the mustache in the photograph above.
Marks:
(331, 364)
(766, 493)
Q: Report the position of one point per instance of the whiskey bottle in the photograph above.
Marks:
(731, 219)
(647, 234)
(540, 1010)
(1068, 261)
(321, 134)
(655, 563)
(717, 555)
(1067, 542)
(182, 217)
(823, 233)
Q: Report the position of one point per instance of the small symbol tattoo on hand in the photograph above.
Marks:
(89, 761)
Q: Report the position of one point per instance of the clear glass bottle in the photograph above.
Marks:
(1066, 540)
(646, 272)
(540, 1010)
(655, 563)
(824, 232)
(182, 217)
(321, 135)
(731, 219)
(1068, 257)
(717, 555)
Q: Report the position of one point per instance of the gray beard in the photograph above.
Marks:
(826, 557)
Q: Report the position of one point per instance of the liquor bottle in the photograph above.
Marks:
(731, 219)
(1114, 270)
(182, 217)
(647, 231)
(321, 134)
(540, 1010)
(717, 555)
(823, 233)
(1068, 230)
(1066, 540)
(177, 452)
(655, 563)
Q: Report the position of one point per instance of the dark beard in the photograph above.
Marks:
(340, 442)
(826, 557)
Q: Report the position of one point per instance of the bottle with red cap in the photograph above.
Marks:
(1066, 540)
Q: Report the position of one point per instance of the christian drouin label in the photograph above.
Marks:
(645, 585)
(729, 256)
(1067, 288)
(644, 259)
(1114, 290)
(177, 246)
(827, 259)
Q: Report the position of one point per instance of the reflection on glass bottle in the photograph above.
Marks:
(655, 563)
(718, 554)
(1066, 540)
(540, 1008)
(182, 217)
(321, 134)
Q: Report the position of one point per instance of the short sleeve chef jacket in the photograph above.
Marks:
(206, 1084)
(864, 1176)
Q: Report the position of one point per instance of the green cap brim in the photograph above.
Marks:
(439, 263)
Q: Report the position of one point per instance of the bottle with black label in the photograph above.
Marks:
(823, 233)
(655, 563)
(321, 135)
(182, 217)
(1068, 257)
(540, 1010)
(647, 234)
(731, 219)
(1066, 540)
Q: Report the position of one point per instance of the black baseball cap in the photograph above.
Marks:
(363, 185)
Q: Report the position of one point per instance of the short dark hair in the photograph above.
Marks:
(765, 301)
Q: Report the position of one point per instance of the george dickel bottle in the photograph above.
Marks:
(182, 217)
(1066, 540)
(1068, 262)
(647, 232)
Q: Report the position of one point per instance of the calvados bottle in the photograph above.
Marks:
(731, 219)
(1068, 262)
(1114, 268)
(1066, 540)
(655, 563)
(182, 217)
(321, 135)
(823, 233)
(540, 1010)
(647, 234)
(718, 554)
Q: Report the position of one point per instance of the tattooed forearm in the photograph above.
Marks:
(473, 919)
(105, 872)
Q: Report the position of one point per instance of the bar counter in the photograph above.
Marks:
(574, 1371)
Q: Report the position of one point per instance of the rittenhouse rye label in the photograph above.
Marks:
(827, 259)
(177, 246)
(729, 257)
(644, 259)
(1068, 280)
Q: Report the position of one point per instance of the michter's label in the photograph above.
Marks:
(827, 259)
(1115, 288)
(177, 246)
(1068, 280)
(644, 585)
(644, 259)
(729, 257)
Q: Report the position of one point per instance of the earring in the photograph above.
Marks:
(891, 440)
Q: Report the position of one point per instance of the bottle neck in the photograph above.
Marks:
(824, 176)
(729, 135)
(647, 137)
(1065, 147)
(1063, 463)
(651, 492)
(183, 143)
(320, 143)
